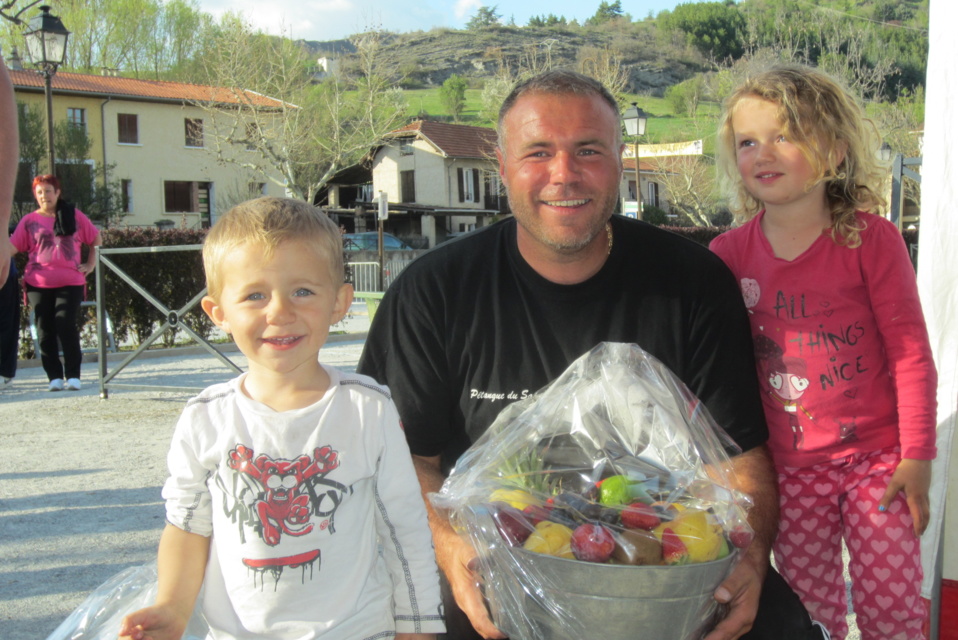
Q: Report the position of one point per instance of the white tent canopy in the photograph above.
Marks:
(938, 277)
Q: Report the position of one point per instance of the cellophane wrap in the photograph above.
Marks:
(99, 616)
(618, 447)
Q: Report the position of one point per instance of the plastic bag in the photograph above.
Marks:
(602, 507)
(99, 616)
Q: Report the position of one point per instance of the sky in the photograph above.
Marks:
(336, 19)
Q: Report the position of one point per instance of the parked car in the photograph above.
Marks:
(369, 241)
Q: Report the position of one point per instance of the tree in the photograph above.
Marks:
(685, 96)
(607, 11)
(313, 130)
(484, 17)
(689, 182)
(453, 95)
(714, 28)
(139, 37)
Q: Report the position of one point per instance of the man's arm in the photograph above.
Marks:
(456, 558)
(181, 563)
(9, 161)
(754, 476)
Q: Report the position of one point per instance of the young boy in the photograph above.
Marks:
(292, 497)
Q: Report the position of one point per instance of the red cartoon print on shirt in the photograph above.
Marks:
(786, 380)
(276, 497)
(287, 498)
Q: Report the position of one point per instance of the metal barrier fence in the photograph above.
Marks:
(171, 319)
(365, 275)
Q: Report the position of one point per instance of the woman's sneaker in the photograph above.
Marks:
(73, 384)
(6, 383)
(56, 385)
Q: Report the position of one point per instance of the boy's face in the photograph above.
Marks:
(279, 310)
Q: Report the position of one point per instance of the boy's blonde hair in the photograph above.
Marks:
(268, 222)
(823, 120)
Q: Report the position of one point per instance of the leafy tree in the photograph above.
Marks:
(140, 37)
(317, 129)
(607, 11)
(714, 28)
(453, 95)
(550, 20)
(484, 17)
(685, 96)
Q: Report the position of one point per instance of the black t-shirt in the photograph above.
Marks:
(470, 327)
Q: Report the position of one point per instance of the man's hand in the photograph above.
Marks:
(741, 592)
(914, 478)
(454, 555)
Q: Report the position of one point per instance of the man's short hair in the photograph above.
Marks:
(559, 82)
(268, 222)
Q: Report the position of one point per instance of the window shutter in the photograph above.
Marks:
(461, 180)
(475, 185)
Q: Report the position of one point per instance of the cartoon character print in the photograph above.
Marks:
(786, 380)
(287, 492)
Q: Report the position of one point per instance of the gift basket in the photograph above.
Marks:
(602, 507)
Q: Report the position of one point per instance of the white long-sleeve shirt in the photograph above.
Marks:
(317, 522)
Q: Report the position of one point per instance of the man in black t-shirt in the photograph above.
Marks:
(496, 315)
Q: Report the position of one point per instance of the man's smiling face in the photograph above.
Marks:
(561, 164)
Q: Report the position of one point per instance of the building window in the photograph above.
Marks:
(77, 117)
(654, 194)
(405, 147)
(194, 132)
(178, 196)
(126, 195)
(128, 128)
(257, 189)
(407, 186)
(468, 185)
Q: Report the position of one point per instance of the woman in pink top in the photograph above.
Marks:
(841, 347)
(55, 277)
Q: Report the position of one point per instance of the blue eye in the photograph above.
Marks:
(255, 296)
(302, 292)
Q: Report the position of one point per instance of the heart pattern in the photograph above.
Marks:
(829, 502)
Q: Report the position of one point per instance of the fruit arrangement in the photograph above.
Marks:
(618, 520)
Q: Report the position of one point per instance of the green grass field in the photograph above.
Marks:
(663, 125)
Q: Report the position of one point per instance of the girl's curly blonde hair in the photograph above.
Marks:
(823, 119)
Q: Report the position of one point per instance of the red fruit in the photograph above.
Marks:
(639, 515)
(592, 543)
(535, 513)
(512, 524)
(740, 537)
(673, 549)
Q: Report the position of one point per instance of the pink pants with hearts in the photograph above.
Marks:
(822, 504)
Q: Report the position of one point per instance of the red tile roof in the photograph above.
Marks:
(131, 88)
(452, 140)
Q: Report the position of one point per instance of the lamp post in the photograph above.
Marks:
(46, 47)
(635, 119)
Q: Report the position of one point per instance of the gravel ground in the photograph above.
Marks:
(80, 488)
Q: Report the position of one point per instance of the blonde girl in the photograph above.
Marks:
(840, 343)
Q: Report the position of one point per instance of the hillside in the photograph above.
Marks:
(427, 58)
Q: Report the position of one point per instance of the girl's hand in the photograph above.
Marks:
(153, 623)
(914, 478)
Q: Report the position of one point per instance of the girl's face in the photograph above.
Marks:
(772, 167)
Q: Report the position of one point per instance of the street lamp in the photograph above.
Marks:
(46, 47)
(635, 119)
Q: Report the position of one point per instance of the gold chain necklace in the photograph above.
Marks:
(608, 233)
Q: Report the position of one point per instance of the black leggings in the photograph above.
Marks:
(9, 324)
(56, 311)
